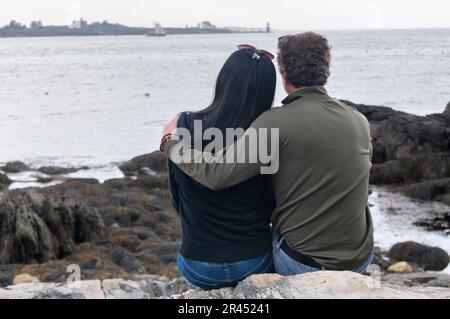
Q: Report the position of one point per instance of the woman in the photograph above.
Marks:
(226, 234)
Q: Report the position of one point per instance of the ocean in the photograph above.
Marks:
(97, 100)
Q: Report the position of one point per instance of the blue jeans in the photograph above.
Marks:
(219, 275)
(287, 266)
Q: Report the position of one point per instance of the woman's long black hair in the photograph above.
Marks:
(245, 89)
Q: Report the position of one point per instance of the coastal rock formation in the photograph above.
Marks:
(319, 285)
(411, 153)
(120, 228)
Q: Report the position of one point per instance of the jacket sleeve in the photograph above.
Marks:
(173, 186)
(236, 163)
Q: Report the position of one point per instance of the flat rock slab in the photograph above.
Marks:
(319, 285)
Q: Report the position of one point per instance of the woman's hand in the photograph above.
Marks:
(171, 127)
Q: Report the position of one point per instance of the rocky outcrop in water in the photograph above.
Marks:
(410, 150)
(319, 285)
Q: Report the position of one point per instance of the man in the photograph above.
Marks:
(322, 220)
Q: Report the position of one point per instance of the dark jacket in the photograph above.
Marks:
(229, 225)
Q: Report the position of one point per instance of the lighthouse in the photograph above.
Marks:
(268, 30)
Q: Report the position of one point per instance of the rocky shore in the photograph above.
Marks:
(125, 228)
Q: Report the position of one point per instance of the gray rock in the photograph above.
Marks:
(156, 161)
(323, 285)
(319, 285)
(126, 289)
(428, 258)
(128, 262)
(15, 167)
(4, 180)
(57, 170)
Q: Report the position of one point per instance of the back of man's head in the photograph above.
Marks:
(304, 59)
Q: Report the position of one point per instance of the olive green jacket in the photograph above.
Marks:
(321, 185)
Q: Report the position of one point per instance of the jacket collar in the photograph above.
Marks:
(312, 91)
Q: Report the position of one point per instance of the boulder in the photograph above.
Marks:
(428, 258)
(400, 267)
(128, 262)
(318, 285)
(24, 236)
(432, 190)
(155, 161)
(25, 279)
(438, 223)
(4, 181)
(15, 167)
(426, 279)
(56, 170)
(447, 110)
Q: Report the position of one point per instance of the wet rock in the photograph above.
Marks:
(440, 223)
(128, 262)
(410, 149)
(15, 167)
(4, 181)
(156, 161)
(400, 267)
(57, 170)
(428, 258)
(24, 236)
(433, 190)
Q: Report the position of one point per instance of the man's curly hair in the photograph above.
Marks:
(305, 59)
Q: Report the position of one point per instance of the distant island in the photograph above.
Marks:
(83, 28)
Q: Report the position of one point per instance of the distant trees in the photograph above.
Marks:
(36, 25)
(15, 25)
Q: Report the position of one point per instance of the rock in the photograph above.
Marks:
(417, 279)
(439, 223)
(432, 190)
(15, 167)
(410, 149)
(428, 258)
(156, 161)
(318, 285)
(4, 181)
(400, 267)
(128, 262)
(125, 289)
(24, 236)
(56, 170)
(5, 281)
(25, 279)
(147, 171)
(447, 110)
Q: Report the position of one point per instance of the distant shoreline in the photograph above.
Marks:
(107, 29)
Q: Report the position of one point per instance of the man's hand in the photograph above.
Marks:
(171, 127)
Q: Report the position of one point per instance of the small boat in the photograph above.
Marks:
(158, 31)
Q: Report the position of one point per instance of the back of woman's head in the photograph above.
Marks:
(245, 89)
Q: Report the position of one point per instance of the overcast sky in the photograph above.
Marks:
(283, 14)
